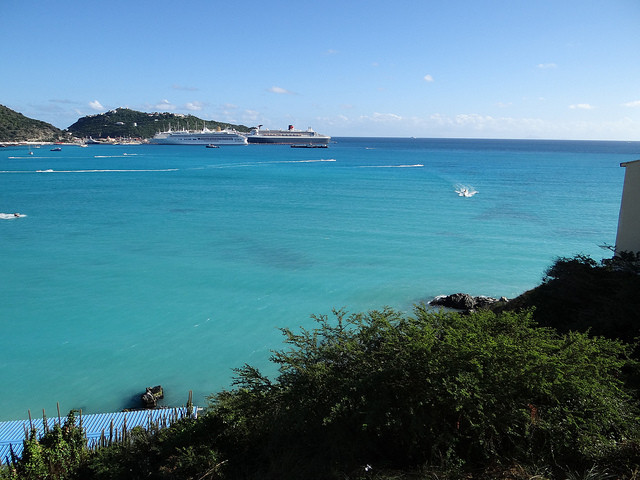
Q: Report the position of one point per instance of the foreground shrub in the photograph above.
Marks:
(385, 390)
(56, 455)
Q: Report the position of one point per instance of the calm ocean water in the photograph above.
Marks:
(144, 265)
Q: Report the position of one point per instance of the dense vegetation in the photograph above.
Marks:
(579, 293)
(15, 127)
(56, 455)
(392, 395)
(126, 123)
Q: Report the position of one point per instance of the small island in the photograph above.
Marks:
(115, 126)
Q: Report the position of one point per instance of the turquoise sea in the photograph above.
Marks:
(142, 265)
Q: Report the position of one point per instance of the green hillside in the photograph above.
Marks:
(124, 122)
(15, 127)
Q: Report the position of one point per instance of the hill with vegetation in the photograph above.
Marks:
(15, 127)
(127, 123)
(390, 395)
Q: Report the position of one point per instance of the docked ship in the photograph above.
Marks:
(290, 136)
(201, 137)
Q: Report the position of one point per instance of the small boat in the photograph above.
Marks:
(56, 149)
(464, 191)
(310, 146)
(211, 145)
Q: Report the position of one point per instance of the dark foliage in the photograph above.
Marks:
(581, 294)
(183, 451)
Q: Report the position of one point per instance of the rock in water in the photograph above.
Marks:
(151, 396)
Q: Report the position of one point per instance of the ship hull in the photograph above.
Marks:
(198, 138)
(289, 140)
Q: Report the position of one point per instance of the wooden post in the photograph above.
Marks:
(45, 424)
(30, 422)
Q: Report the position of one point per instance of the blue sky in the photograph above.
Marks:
(462, 68)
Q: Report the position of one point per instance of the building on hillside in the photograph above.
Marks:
(628, 236)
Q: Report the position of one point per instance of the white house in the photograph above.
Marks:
(628, 237)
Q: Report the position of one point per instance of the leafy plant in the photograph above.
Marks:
(56, 455)
(443, 389)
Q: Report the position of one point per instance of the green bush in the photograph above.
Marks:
(55, 456)
(442, 389)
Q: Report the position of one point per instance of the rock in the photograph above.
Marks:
(465, 302)
(151, 396)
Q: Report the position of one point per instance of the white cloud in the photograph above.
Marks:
(165, 105)
(474, 120)
(382, 117)
(546, 66)
(581, 106)
(474, 125)
(193, 106)
(279, 90)
(331, 51)
(96, 105)
(632, 104)
(428, 78)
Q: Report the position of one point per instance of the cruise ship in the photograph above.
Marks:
(290, 136)
(201, 137)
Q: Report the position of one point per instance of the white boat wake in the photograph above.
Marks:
(417, 165)
(9, 216)
(50, 170)
(465, 191)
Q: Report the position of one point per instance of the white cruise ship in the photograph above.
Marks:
(201, 137)
(290, 136)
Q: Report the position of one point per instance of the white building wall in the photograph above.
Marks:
(628, 237)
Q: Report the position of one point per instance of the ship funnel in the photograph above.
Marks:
(290, 127)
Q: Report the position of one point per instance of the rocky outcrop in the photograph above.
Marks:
(151, 396)
(465, 302)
